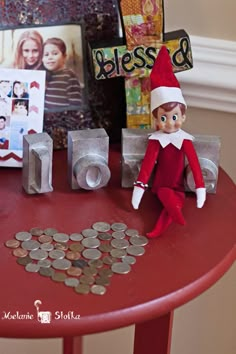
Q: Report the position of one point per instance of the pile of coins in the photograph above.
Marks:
(84, 261)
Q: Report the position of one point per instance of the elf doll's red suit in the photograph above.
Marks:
(167, 149)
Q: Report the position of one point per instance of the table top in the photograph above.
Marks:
(175, 268)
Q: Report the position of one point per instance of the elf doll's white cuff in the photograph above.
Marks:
(201, 197)
(137, 196)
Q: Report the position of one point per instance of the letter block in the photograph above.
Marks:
(88, 159)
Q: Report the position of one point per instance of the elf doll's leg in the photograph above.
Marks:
(173, 202)
(161, 225)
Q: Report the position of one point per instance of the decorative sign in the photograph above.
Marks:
(21, 111)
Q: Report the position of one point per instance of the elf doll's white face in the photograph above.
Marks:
(170, 122)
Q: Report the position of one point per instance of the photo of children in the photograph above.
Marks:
(20, 89)
(20, 107)
(5, 88)
(58, 50)
(4, 132)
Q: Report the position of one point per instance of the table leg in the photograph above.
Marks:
(154, 336)
(72, 345)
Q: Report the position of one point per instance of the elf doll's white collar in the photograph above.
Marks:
(175, 138)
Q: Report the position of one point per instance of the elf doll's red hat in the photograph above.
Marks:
(164, 85)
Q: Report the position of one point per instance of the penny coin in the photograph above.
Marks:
(61, 264)
(76, 247)
(61, 246)
(46, 272)
(12, 243)
(86, 279)
(82, 289)
(76, 237)
(105, 272)
(30, 245)
(57, 276)
(135, 250)
(121, 268)
(98, 289)
(47, 247)
(36, 231)
(109, 260)
(120, 244)
(73, 282)
(72, 255)
(24, 260)
(90, 271)
(138, 240)
(129, 259)
(92, 253)
(118, 253)
(57, 254)
(90, 242)
(74, 271)
(131, 232)
(38, 254)
(105, 247)
(45, 239)
(32, 267)
(80, 263)
(102, 280)
(50, 231)
(97, 263)
(89, 233)
(61, 237)
(19, 252)
(118, 226)
(23, 236)
(104, 236)
(45, 263)
(101, 226)
(118, 234)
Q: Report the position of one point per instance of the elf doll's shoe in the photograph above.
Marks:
(162, 224)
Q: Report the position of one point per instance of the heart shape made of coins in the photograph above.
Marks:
(84, 261)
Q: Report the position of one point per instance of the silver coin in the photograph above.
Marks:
(47, 246)
(118, 235)
(45, 263)
(50, 231)
(131, 232)
(36, 231)
(89, 233)
(57, 254)
(38, 254)
(61, 264)
(60, 237)
(135, 250)
(101, 226)
(23, 236)
(104, 236)
(30, 245)
(98, 289)
(120, 244)
(46, 272)
(92, 253)
(121, 268)
(32, 267)
(90, 242)
(73, 282)
(118, 226)
(118, 253)
(138, 240)
(129, 259)
(76, 237)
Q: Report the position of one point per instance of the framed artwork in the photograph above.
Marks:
(21, 111)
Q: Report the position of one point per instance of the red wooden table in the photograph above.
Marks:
(176, 267)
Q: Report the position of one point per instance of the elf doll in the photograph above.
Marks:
(167, 148)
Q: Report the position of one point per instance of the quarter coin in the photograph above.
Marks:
(120, 244)
(98, 289)
(50, 231)
(12, 243)
(62, 246)
(47, 247)
(138, 240)
(57, 254)
(32, 267)
(90, 242)
(121, 268)
(36, 231)
(92, 253)
(118, 226)
(129, 259)
(118, 253)
(101, 226)
(23, 236)
(131, 232)
(76, 237)
(61, 237)
(72, 282)
(104, 236)
(45, 263)
(82, 289)
(135, 250)
(38, 254)
(46, 272)
(89, 233)
(30, 245)
(19, 252)
(61, 264)
(118, 234)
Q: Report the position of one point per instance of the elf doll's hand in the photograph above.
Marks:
(201, 197)
(137, 196)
